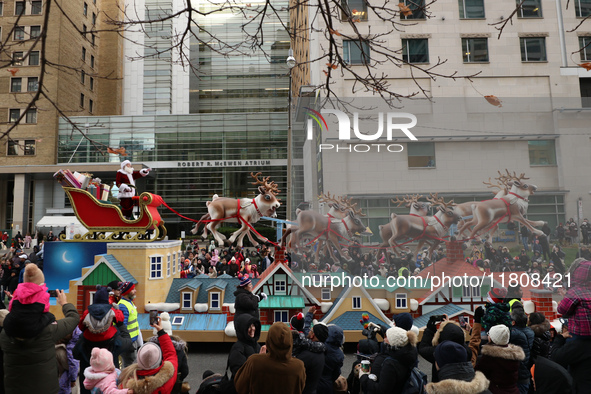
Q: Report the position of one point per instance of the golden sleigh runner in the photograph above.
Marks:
(106, 223)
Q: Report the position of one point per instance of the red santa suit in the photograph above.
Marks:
(123, 181)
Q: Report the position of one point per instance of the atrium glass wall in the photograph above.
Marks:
(193, 156)
(247, 80)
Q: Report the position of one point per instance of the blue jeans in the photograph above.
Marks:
(525, 245)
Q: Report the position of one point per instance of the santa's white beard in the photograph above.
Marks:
(129, 170)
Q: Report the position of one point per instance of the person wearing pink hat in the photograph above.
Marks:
(102, 374)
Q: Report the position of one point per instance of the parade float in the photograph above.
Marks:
(202, 308)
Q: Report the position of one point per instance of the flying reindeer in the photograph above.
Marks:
(418, 208)
(249, 211)
(428, 229)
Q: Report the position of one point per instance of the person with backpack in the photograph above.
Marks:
(456, 374)
(397, 367)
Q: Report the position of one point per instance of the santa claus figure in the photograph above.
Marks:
(125, 181)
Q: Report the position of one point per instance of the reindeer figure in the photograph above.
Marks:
(512, 207)
(417, 208)
(424, 229)
(312, 224)
(244, 210)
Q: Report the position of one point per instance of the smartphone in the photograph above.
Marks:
(52, 293)
(463, 321)
(153, 317)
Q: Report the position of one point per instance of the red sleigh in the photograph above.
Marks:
(105, 222)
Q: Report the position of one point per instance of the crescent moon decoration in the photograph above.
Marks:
(65, 259)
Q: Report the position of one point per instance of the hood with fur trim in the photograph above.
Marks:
(150, 384)
(449, 330)
(509, 352)
(179, 344)
(452, 386)
(540, 329)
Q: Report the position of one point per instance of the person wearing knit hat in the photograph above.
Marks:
(403, 320)
(456, 374)
(500, 360)
(159, 363)
(114, 293)
(32, 290)
(101, 376)
(297, 322)
(391, 374)
(319, 331)
(245, 301)
(130, 315)
(496, 295)
(125, 181)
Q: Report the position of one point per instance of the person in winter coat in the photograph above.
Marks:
(273, 372)
(432, 336)
(102, 326)
(309, 350)
(245, 301)
(549, 377)
(456, 373)
(333, 359)
(69, 366)
(156, 368)
(248, 331)
(576, 304)
(574, 354)
(500, 361)
(522, 336)
(102, 375)
(28, 341)
(396, 368)
(180, 347)
(541, 328)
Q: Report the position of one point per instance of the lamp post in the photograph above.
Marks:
(291, 63)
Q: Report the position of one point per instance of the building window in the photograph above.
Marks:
(177, 320)
(91, 83)
(187, 300)
(280, 285)
(19, 33)
(542, 153)
(475, 50)
(82, 100)
(90, 106)
(471, 9)
(214, 301)
(155, 262)
(31, 116)
(16, 85)
(354, 9)
(17, 58)
(92, 39)
(35, 31)
(19, 8)
(84, 30)
(421, 154)
(417, 7)
(585, 45)
(401, 301)
(92, 61)
(356, 302)
(471, 292)
(167, 259)
(85, 9)
(32, 84)
(13, 115)
(355, 52)
(325, 295)
(1, 8)
(281, 316)
(533, 49)
(36, 7)
(34, 58)
(585, 87)
(21, 148)
(530, 9)
(82, 77)
(415, 50)
(93, 19)
(174, 263)
(83, 54)
(583, 8)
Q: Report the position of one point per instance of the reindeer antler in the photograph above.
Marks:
(270, 187)
(491, 185)
(348, 203)
(436, 200)
(514, 176)
(327, 198)
(413, 198)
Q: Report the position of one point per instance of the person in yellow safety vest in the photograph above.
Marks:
(129, 310)
(513, 298)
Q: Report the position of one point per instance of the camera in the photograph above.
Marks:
(52, 293)
(438, 317)
(153, 317)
